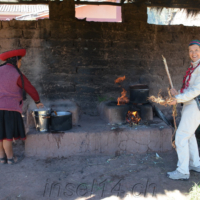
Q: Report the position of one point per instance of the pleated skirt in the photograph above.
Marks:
(11, 126)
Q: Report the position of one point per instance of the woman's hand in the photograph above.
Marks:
(40, 105)
(174, 102)
(173, 92)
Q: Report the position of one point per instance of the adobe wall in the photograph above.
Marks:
(78, 60)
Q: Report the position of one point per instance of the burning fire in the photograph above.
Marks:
(132, 117)
(120, 79)
(123, 99)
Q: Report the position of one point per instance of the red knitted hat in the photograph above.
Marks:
(8, 54)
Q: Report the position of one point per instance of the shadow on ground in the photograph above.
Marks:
(134, 176)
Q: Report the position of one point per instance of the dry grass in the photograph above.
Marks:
(194, 193)
(160, 100)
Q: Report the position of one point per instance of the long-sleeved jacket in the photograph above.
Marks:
(29, 88)
(193, 90)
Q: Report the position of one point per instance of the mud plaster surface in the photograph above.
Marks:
(92, 136)
(134, 176)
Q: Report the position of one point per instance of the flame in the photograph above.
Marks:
(133, 117)
(120, 79)
(123, 99)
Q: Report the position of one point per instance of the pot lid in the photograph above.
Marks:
(42, 109)
(60, 113)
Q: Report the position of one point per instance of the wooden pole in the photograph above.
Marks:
(167, 70)
(174, 106)
(47, 2)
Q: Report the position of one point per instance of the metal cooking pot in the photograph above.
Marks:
(42, 119)
(139, 93)
(61, 121)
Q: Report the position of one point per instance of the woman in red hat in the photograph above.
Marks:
(13, 88)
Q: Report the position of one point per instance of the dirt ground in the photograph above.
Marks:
(135, 176)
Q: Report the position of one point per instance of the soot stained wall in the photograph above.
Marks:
(77, 60)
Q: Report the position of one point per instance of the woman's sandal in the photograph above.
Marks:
(4, 160)
(12, 161)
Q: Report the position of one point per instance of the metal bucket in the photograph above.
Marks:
(42, 119)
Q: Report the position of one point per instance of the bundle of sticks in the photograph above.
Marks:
(162, 101)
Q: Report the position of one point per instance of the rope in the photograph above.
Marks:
(174, 114)
(21, 75)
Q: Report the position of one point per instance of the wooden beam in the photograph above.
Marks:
(76, 2)
(98, 3)
(25, 2)
(153, 3)
(175, 6)
(192, 4)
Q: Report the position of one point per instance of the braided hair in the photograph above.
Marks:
(13, 61)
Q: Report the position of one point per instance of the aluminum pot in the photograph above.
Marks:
(139, 93)
(42, 119)
(61, 120)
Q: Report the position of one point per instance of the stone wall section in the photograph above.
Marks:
(77, 60)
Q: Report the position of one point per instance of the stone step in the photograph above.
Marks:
(95, 137)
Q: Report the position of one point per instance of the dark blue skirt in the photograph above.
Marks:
(11, 126)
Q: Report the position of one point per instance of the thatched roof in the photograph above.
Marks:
(190, 12)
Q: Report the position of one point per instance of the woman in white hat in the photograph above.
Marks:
(185, 140)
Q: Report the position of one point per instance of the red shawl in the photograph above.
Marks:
(188, 74)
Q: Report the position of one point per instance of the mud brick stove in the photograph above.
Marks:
(92, 136)
(133, 111)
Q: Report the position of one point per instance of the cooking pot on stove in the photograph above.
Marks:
(61, 120)
(139, 93)
(42, 119)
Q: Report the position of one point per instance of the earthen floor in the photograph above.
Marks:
(79, 177)
(124, 177)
